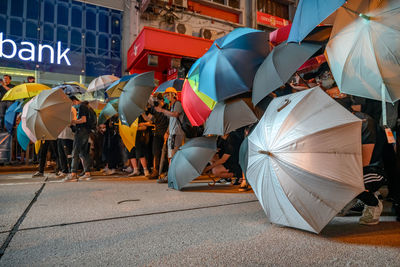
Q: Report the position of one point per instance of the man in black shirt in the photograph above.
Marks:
(81, 139)
(5, 85)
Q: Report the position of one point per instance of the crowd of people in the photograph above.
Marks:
(82, 148)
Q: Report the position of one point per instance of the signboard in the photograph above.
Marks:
(271, 21)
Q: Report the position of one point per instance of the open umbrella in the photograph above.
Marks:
(115, 89)
(190, 160)
(279, 66)
(108, 111)
(305, 160)
(227, 117)
(128, 134)
(175, 83)
(48, 114)
(363, 51)
(11, 114)
(25, 128)
(101, 82)
(229, 66)
(309, 14)
(77, 84)
(25, 90)
(97, 105)
(23, 139)
(319, 34)
(134, 97)
(71, 89)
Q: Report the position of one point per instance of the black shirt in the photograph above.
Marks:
(230, 146)
(83, 110)
(3, 90)
(161, 122)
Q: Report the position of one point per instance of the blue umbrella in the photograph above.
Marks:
(115, 89)
(11, 114)
(22, 138)
(71, 89)
(229, 66)
(309, 14)
(176, 83)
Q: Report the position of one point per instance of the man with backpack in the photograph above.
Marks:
(83, 125)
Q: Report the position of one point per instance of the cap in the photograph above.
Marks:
(171, 90)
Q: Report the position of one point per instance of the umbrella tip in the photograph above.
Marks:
(265, 152)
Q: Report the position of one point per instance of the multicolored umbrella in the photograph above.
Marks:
(115, 89)
(229, 66)
(25, 90)
(128, 134)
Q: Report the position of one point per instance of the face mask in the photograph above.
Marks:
(166, 101)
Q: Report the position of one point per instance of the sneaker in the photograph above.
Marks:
(163, 180)
(146, 172)
(110, 172)
(224, 180)
(70, 178)
(38, 174)
(85, 177)
(244, 188)
(134, 173)
(236, 182)
(128, 169)
(61, 174)
(153, 175)
(371, 214)
(358, 206)
(104, 169)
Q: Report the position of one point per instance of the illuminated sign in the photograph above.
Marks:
(27, 52)
(271, 21)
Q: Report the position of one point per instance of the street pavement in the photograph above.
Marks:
(117, 220)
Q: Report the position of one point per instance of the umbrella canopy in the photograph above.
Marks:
(25, 128)
(128, 134)
(227, 117)
(190, 161)
(134, 97)
(319, 34)
(71, 89)
(305, 160)
(11, 114)
(48, 114)
(279, 66)
(363, 51)
(229, 66)
(76, 83)
(115, 89)
(244, 155)
(101, 82)
(23, 139)
(176, 83)
(97, 105)
(25, 90)
(309, 14)
(108, 111)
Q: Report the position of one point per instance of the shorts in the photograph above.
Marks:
(158, 142)
(236, 170)
(174, 142)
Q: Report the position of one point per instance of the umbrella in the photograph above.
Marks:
(320, 34)
(229, 66)
(97, 105)
(279, 66)
(305, 160)
(48, 114)
(128, 134)
(71, 89)
(363, 51)
(134, 97)
(312, 63)
(190, 161)
(11, 114)
(76, 83)
(115, 89)
(244, 155)
(25, 90)
(25, 128)
(309, 14)
(108, 111)
(227, 117)
(176, 83)
(101, 82)
(23, 139)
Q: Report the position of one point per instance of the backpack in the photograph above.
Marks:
(190, 130)
(91, 121)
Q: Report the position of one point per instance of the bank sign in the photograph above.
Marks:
(28, 55)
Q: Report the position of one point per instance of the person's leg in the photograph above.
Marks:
(143, 161)
(67, 146)
(42, 158)
(221, 171)
(62, 157)
(75, 156)
(84, 151)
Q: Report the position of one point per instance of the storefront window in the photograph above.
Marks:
(103, 42)
(48, 12)
(33, 11)
(16, 27)
(76, 39)
(90, 20)
(62, 35)
(76, 20)
(115, 26)
(90, 39)
(115, 46)
(3, 7)
(17, 8)
(31, 29)
(273, 8)
(62, 15)
(103, 22)
(3, 25)
(48, 32)
(231, 3)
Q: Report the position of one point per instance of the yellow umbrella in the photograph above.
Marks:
(128, 134)
(25, 90)
(38, 143)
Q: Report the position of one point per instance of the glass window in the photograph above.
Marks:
(48, 32)
(48, 11)
(3, 25)
(90, 20)
(3, 7)
(17, 8)
(62, 15)
(16, 27)
(115, 47)
(115, 26)
(90, 39)
(76, 37)
(103, 42)
(31, 29)
(103, 22)
(219, 1)
(33, 11)
(234, 3)
(76, 16)
(62, 35)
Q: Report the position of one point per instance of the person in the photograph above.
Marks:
(111, 153)
(30, 79)
(175, 133)
(4, 87)
(161, 125)
(80, 145)
(44, 148)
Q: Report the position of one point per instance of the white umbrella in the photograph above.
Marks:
(304, 159)
(23, 122)
(101, 82)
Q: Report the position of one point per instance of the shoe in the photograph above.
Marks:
(104, 169)
(70, 178)
(163, 180)
(236, 182)
(134, 173)
(110, 172)
(224, 180)
(153, 175)
(38, 174)
(358, 206)
(146, 172)
(244, 188)
(61, 174)
(85, 177)
(371, 214)
(128, 169)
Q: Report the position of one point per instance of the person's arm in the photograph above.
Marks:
(5, 86)
(148, 118)
(220, 161)
(167, 112)
(79, 121)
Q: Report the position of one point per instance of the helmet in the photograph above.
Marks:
(171, 90)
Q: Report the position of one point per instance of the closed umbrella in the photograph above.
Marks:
(229, 66)
(305, 160)
(11, 114)
(101, 82)
(134, 97)
(175, 83)
(48, 114)
(128, 134)
(227, 117)
(190, 160)
(279, 66)
(108, 111)
(115, 89)
(25, 90)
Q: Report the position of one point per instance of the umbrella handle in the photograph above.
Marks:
(287, 102)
